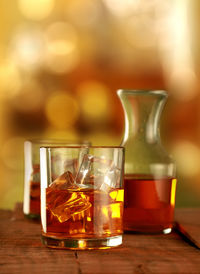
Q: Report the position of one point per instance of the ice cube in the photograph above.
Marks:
(85, 177)
(91, 172)
(112, 178)
(67, 204)
(113, 212)
(105, 215)
(64, 181)
(65, 199)
(98, 173)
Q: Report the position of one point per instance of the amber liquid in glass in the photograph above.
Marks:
(35, 198)
(149, 203)
(86, 213)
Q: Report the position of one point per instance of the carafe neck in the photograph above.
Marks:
(142, 111)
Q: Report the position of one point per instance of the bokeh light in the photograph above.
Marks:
(122, 7)
(12, 153)
(10, 79)
(176, 53)
(27, 47)
(32, 96)
(187, 156)
(83, 15)
(138, 32)
(185, 83)
(54, 133)
(36, 9)
(62, 110)
(94, 100)
(147, 21)
(62, 53)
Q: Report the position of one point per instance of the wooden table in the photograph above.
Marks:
(21, 251)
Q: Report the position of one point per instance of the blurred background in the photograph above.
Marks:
(61, 63)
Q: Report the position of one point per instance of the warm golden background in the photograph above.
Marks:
(61, 63)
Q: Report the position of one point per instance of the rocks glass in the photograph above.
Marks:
(82, 196)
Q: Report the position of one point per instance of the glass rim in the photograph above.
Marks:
(143, 92)
(80, 146)
(57, 141)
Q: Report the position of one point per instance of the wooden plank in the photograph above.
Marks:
(143, 254)
(22, 252)
(188, 224)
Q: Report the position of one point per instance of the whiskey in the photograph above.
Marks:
(149, 203)
(35, 198)
(83, 213)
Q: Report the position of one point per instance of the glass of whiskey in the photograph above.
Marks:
(31, 205)
(82, 196)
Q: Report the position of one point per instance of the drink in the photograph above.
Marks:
(35, 198)
(82, 208)
(83, 213)
(149, 203)
(32, 191)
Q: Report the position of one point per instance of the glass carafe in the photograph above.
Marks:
(150, 182)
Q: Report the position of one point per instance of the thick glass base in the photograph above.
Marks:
(82, 244)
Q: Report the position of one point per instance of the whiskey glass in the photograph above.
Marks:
(82, 196)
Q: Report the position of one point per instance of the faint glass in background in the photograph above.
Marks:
(31, 205)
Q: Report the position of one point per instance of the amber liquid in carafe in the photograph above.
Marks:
(149, 203)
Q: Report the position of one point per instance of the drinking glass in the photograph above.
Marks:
(31, 205)
(82, 196)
